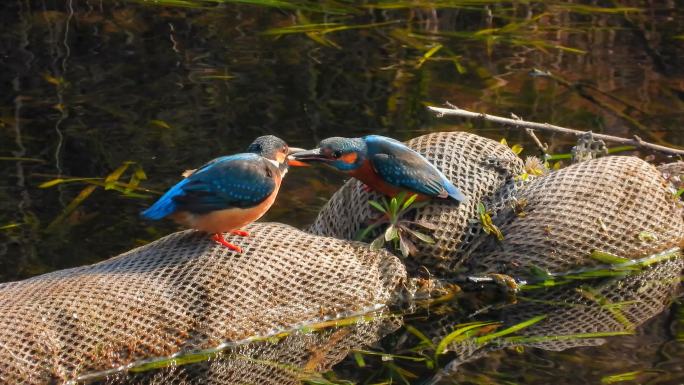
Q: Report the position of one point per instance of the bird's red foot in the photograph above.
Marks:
(218, 238)
(240, 233)
(367, 188)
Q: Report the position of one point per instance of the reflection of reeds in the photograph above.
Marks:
(110, 182)
(312, 6)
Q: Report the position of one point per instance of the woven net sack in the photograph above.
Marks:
(263, 317)
(478, 166)
(618, 205)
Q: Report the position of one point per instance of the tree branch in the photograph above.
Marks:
(635, 141)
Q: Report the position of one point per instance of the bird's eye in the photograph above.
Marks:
(337, 154)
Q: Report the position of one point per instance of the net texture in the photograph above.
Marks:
(618, 205)
(183, 293)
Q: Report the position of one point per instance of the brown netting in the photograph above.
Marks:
(478, 166)
(182, 310)
(619, 205)
(184, 293)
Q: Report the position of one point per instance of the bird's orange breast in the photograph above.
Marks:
(367, 175)
(221, 221)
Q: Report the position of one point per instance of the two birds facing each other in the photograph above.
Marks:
(233, 191)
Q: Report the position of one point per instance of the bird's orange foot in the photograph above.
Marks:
(218, 238)
(367, 188)
(240, 233)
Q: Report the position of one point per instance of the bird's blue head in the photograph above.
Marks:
(344, 154)
(270, 147)
(275, 149)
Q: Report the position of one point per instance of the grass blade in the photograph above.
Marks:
(608, 258)
(515, 328)
(377, 206)
(459, 334)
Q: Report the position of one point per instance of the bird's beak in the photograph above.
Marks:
(292, 161)
(294, 150)
(310, 156)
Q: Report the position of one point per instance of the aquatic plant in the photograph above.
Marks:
(399, 231)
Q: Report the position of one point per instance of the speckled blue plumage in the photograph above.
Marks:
(400, 166)
(235, 181)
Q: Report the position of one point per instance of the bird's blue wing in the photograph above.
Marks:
(237, 181)
(165, 205)
(401, 166)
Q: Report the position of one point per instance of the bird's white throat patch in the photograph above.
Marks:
(277, 165)
(274, 162)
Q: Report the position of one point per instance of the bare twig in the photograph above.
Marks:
(542, 146)
(634, 141)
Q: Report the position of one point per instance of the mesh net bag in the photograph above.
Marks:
(183, 299)
(617, 205)
(478, 166)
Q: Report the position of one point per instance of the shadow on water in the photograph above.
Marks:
(166, 85)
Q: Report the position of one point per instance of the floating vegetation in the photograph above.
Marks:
(612, 267)
(461, 333)
(111, 181)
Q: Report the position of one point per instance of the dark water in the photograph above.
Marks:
(89, 85)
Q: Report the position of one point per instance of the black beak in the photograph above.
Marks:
(291, 161)
(294, 150)
(310, 156)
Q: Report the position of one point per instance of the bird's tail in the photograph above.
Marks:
(165, 205)
(454, 192)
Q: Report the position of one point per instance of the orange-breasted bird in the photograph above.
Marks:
(229, 192)
(385, 165)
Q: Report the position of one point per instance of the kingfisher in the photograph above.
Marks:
(384, 165)
(228, 192)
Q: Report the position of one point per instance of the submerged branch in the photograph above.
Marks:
(634, 141)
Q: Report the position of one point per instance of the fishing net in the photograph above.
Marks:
(263, 316)
(561, 232)
(183, 310)
(617, 205)
(478, 166)
(598, 243)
